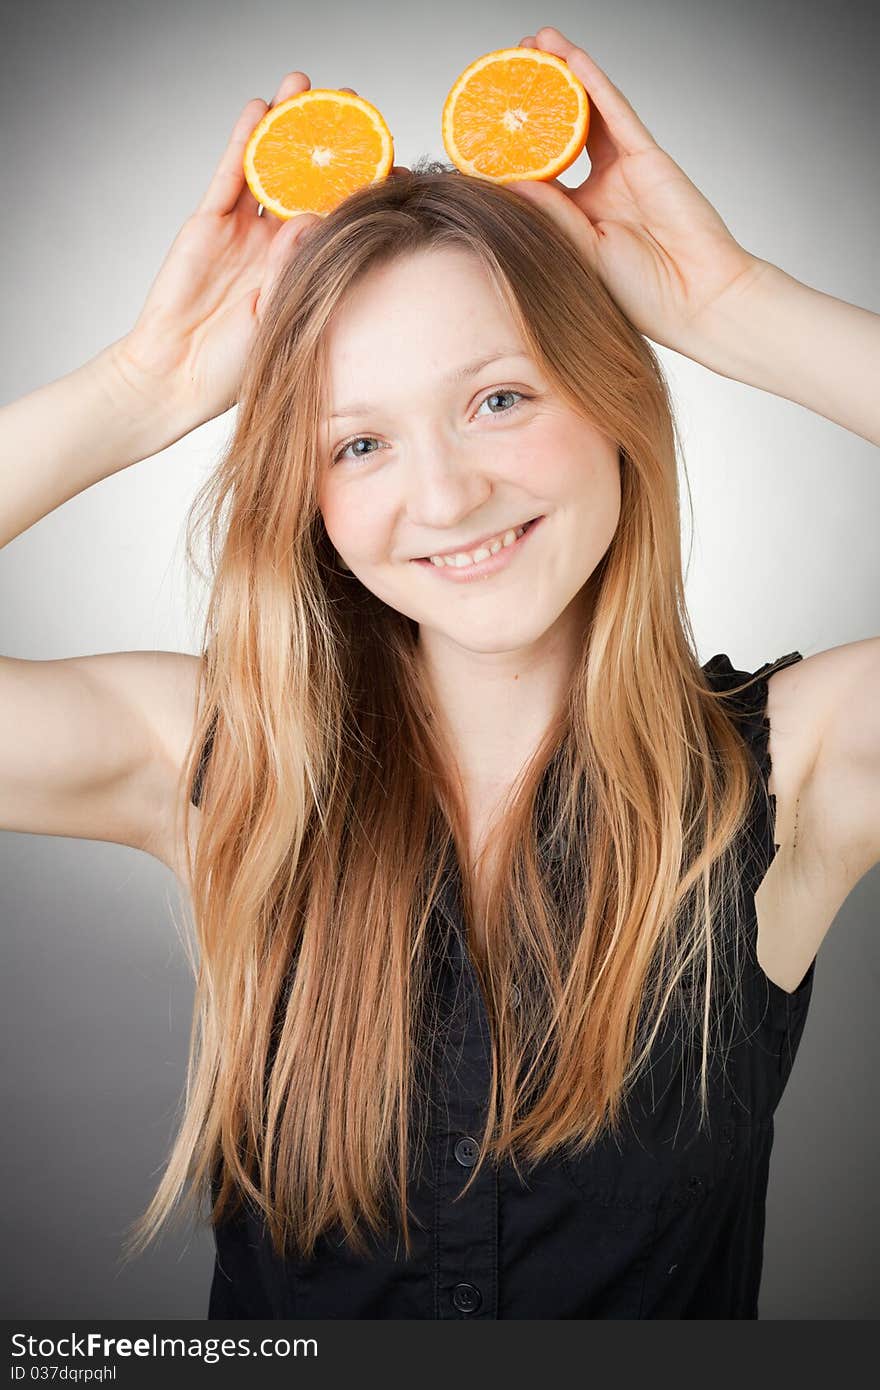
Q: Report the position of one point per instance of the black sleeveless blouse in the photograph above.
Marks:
(667, 1222)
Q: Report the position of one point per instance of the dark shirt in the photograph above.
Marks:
(667, 1221)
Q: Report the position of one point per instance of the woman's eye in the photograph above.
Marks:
(494, 395)
(361, 439)
(368, 439)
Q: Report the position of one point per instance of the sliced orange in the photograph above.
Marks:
(310, 152)
(516, 113)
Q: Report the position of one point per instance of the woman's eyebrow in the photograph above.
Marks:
(453, 378)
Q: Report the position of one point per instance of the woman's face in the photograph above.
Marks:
(426, 453)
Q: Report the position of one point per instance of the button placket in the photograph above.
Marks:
(466, 1233)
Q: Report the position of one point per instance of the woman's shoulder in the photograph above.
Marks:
(748, 699)
(721, 674)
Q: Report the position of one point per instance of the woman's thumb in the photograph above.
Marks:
(302, 222)
(290, 235)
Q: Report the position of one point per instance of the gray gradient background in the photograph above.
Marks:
(772, 110)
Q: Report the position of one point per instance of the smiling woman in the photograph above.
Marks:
(442, 390)
(473, 846)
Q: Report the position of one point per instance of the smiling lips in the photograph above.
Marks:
(480, 550)
(485, 559)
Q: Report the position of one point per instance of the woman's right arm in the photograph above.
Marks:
(61, 438)
(181, 363)
(93, 746)
(178, 367)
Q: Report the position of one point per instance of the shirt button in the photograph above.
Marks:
(515, 996)
(467, 1151)
(467, 1298)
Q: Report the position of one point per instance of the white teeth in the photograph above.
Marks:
(462, 558)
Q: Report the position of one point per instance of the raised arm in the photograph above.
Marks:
(179, 366)
(90, 746)
(674, 268)
(93, 746)
(671, 264)
(61, 438)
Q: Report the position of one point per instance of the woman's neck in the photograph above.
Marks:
(495, 706)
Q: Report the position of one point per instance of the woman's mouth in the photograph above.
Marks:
(491, 564)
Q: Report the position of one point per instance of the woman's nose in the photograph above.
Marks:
(445, 483)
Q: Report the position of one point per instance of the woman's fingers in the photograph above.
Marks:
(228, 185)
(622, 127)
(291, 84)
(601, 149)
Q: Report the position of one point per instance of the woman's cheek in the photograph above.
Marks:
(363, 539)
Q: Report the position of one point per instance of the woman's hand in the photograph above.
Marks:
(194, 332)
(659, 246)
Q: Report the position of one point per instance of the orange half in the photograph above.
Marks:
(516, 113)
(308, 153)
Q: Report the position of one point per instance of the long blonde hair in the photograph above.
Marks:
(330, 805)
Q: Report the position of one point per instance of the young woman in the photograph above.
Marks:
(476, 851)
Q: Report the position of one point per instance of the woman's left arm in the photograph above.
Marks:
(669, 261)
(783, 336)
(672, 265)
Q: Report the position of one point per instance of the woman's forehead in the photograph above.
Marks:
(408, 326)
